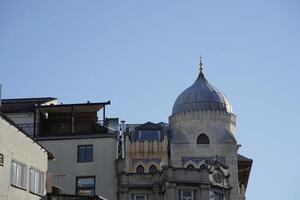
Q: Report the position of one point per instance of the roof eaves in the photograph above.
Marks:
(7, 119)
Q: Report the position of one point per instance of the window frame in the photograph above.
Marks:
(23, 176)
(206, 142)
(141, 132)
(134, 196)
(190, 166)
(151, 168)
(181, 197)
(85, 147)
(218, 196)
(40, 183)
(82, 177)
(1, 160)
(142, 167)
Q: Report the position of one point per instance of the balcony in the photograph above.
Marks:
(72, 197)
(63, 128)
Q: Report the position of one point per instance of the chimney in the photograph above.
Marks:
(123, 129)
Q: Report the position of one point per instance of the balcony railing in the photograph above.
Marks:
(72, 197)
(63, 129)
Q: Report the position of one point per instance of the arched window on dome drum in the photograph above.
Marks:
(140, 169)
(152, 169)
(202, 139)
(190, 166)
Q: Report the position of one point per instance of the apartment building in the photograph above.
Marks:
(23, 163)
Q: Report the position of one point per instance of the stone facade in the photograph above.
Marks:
(219, 127)
(148, 152)
(202, 153)
(170, 182)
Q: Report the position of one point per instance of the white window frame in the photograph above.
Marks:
(182, 197)
(135, 195)
(18, 174)
(36, 181)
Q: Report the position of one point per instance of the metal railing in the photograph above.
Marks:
(63, 128)
(72, 197)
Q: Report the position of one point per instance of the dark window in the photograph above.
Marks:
(152, 169)
(150, 135)
(218, 196)
(85, 153)
(139, 197)
(190, 166)
(85, 186)
(202, 139)
(1, 159)
(140, 169)
(186, 194)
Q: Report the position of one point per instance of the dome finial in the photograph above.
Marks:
(201, 67)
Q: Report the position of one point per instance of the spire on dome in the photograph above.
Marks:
(201, 67)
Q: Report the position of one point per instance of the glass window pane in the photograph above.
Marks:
(140, 169)
(81, 154)
(31, 180)
(149, 135)
(152, 169)
(86, 192)
(86, 182)
(187, 193)
(89, 154)
(86, 186)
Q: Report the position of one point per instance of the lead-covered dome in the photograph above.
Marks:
(201, 96)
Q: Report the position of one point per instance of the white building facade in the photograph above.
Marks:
(23, 164)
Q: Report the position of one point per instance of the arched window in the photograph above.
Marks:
(140, 169)
(202, 139)
(190, 166)
(152, 169)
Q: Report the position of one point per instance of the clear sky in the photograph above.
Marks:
(142, 54)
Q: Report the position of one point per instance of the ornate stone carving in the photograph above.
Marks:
(157, 160)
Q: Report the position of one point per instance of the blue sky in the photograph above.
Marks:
(142, 54)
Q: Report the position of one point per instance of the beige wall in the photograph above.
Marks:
(145, 150)
(14, 145)
(67, 168)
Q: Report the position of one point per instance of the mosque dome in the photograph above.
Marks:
(201, 96)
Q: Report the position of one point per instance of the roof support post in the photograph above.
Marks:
(72, 120)
(34, 122)
(104, 123)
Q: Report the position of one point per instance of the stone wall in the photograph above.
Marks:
(219, 127)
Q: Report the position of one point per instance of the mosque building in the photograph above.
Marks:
(194, 157)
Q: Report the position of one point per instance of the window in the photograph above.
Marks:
(150, 135)
(18, 174)
(1, 159)
(152, 169)
(140, 169)
(218, 196)
(85, 186)
(85, 153)
(139, 197)
(36, 181)
(190, 166)
(202, 139)
(186, 195)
